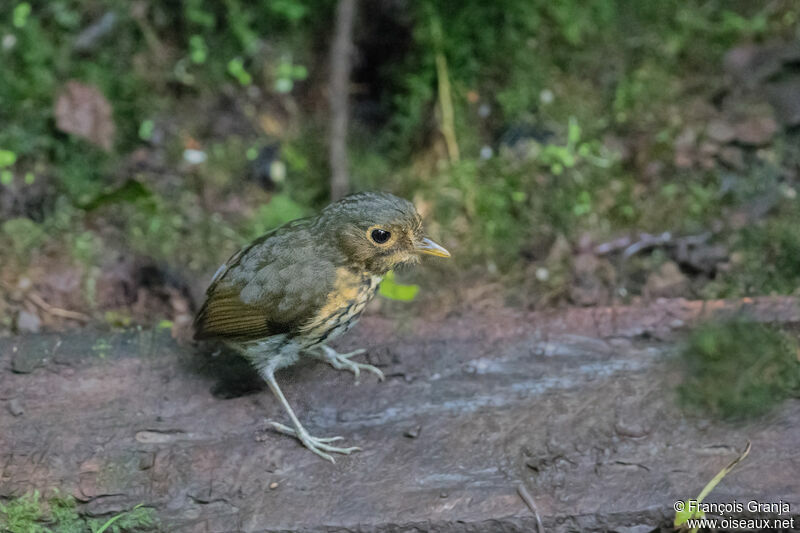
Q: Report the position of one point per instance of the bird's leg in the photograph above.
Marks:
(317, 445)
(341, 361)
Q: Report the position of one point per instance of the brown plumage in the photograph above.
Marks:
(307, 282)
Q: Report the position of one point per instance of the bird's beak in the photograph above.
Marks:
(427, 246)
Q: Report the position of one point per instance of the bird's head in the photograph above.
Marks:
(377, 231)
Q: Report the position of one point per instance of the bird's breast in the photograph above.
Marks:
(351, 293)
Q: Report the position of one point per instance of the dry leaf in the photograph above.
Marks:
(82, 110)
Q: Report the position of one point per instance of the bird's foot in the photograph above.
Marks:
(341, 361)
(318, 445)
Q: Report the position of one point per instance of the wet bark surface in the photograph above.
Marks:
(577, 406)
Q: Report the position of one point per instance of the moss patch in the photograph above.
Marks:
(33, 513)
(739, 369)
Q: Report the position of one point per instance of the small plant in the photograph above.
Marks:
(287, 74)
(739, 369)
(24, 235)
(137, 519)
(22, 514)
(7, 159)
(31, 513)
(690, 508)
(237, 70)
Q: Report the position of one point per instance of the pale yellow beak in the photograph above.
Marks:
(427, 246)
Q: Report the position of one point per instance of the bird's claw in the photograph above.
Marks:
(341, 361)
(315, 444)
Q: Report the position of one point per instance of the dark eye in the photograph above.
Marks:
(380, 235)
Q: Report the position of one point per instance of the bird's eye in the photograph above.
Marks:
(380, 235)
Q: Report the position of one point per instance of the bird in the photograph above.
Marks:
(291, 291)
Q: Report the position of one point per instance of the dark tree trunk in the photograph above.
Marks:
(341, 64)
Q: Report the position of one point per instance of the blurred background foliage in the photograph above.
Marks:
(199, 124)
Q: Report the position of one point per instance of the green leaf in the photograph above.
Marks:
(392, 290)
(237, 70)
(198, 51)
(129, 192)
(20, 16)
(573, 132)
(146, 130)
(7, 158)
(682, 516)
(299, 72)
(113, 519)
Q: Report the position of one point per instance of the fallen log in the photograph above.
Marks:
(482, 419)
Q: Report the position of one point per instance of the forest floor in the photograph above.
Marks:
(696, 198)
(622, 181)
(574, 408)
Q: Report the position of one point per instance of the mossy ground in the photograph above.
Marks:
(58, 513)
(739, 369)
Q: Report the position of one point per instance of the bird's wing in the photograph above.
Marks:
(272, 286)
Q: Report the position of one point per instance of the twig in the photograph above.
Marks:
(445, 96)
(138, 13)
(56, 311)
(88, 38)
(646, 241)
(528, 499)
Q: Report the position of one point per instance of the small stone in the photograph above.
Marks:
(667, 282)
(146, 461)
(784, 95)
(704, 258)
(25, 362)
(756, 131)
(15, 407)
(706, 153)
(592, 279)
(412, 433)
(720, 131)
(194, 156)
(273, 485)
(732, 157)
(9, 41)
(753, 64)
(630, 429)
(685, 144)
(28, 322)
